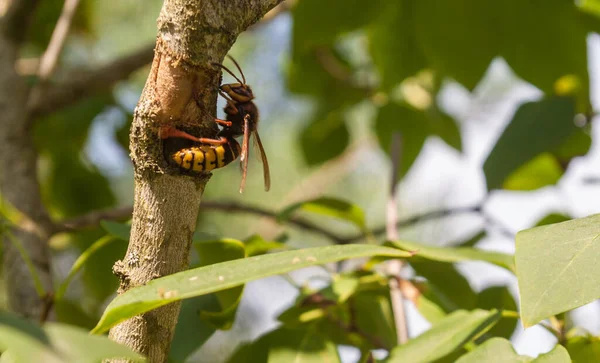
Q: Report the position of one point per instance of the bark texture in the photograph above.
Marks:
(180, 91)
(18, 172)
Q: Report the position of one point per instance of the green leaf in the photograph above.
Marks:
(330, 207)
(319, 23)
(474, 26)
(191, 332)
(326, 137)
(537, 173)
(71, 313)
(119, 230)
(553, 266)
(444, 337)
(455, 254)
(552, 218)
(373, 316)
(25, 342)
(557, 355)
(530, 44)
(493, 350)
(77, 345)
(444, 126)
(214, 252)
(577, 144)
(446, 288)
(471, 242)
(499, 298)
(255, 245)
(411, 124)
(584, 349)
(521, 141)
(393, 44)
(288, 345)
(225, 275)
(80, 263)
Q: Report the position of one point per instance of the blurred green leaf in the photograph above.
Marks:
(499, 298)
(411, 124)
(191, 332)
(393, 44)
(552, 264)
(99, 281)
(70, 312)
(529, 45)
(493, 350)
(330, 207)
(319, 23)
(225, 275)
(522, 139)
(557, 355)
(541, 171)
(444, 337)
(288, 345)
(118, 230)
(448, 30)
(584, 349)
(577, 144)
(455, 254)
(444, 126)
(77, 345)
(26, 342)
(373, 316)
(80, 262)
(325, 137)
(552, 218)
(255, 245)
(471, 242)
(214, 252)
(446, 288)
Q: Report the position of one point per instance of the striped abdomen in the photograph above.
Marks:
(207, 157)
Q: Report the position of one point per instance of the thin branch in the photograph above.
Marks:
(57, 40)
(15, 18)
(394, 267)
(93, 219)
(437, 214)
(82, 84)
(89, 83)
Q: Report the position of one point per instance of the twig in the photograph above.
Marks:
(93, 219)
(282, 8)
(393, 267)
(14, 18)
(437, 214)
(57, 40)
(81, 85)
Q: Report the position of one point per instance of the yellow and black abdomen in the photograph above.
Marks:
(207, 157)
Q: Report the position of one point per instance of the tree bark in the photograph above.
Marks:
(180, 91)
(18, 172)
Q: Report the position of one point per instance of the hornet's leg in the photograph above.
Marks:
(166, 132)
(220, 141)
(224, 122)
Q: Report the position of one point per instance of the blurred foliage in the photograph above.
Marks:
(393, 59)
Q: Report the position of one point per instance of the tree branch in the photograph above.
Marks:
(394, 267)
(18, 175)
(89, 83)
(16, 18)
(57, 40)
(180, 91)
